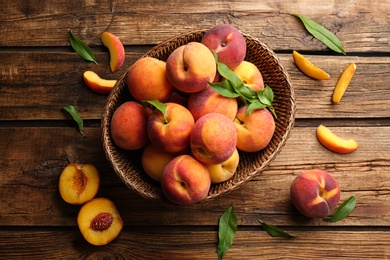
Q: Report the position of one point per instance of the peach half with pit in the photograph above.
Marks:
(185, 180)
(213, 138)
(97, 84)
(128, 126)
(227, 42)
(172, 131)
(224, 171)
(250, 75)
(190, 67)
(147, 80)
(209, 101)
(116, 49)
(99, 221)
(315, 193)
(254, 131)
(79, 183)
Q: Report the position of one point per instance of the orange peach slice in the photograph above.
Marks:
(79, 183)
(99, 221)
(343, 82)
(97, 84)
(117, 51)
(308, 68)
(335, 143)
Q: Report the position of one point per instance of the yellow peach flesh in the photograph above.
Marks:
(116, 49)
(308, 68)
(335, 143)
(97, 84)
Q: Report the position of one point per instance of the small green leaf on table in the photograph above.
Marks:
(76, 116)
(275, 231)
(343, 210)
(322, 34)
(226, 231)
(81, 48)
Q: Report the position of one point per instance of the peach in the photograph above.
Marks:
(147, 80)
(116, 49)
(254, 131)
(185, 180)
(128, 126)
(172, 133)
(250, 75)
(213, 139)
(228, 43)
(79, 183)
(154, 160)
(308, 68)
(99, 221)
(335, 143)
(97, 84)
(315, 193)
(190, 67)
(208, 101)
(224, 171)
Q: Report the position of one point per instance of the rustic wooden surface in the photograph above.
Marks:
(40, 74)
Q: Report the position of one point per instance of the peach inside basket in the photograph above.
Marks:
(127, 164)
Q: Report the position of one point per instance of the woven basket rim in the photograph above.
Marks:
(120, 164)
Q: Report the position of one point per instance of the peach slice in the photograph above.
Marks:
(79, 183)
(117, 51)
(343, 82)
(308, 68)
(335, 143)
(99, 221)
(97, 84)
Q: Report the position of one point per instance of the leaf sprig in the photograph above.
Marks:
(343, 210)
(76, 116)
(322, 34)
(226, 231)
(233, 87)
(81, 48)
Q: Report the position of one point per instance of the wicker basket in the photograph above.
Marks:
(127, 164)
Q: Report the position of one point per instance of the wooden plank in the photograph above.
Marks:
(26, 74)
(32, 165)
(361, 27)
(196, 244)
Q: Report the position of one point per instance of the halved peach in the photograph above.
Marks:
(335, 143)
(79, 183)
(117, 51)
(97, 84)
(99, 221)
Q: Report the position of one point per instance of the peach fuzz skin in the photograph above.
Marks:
(190, 67)
(185, 180)
(208, 101)
(254, 131)
(335, 143)
(147, 80)
(213, 138)
(97, 84)
(172, 135)
(228, 43)
(250, 75)
(116, 49)
(128, 126)
(79, 183)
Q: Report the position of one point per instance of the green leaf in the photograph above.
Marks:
(224, 88)
(253, 106)
(274, 231)
(322, 34)
(158, 105)
(81, 48)
(226, 231)
(76, 116)
(343, 210)
(268, 93)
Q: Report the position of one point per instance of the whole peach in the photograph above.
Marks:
(190, 67)
(185, 180)
(254, 131)
(208, 101)
(213, 138)
(172, 133)
(250, 75)
(315, 193)
(147, 80)
(128, 126)
(227, 42)
(224, 171)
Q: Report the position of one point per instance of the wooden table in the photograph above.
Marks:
(40, 74)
